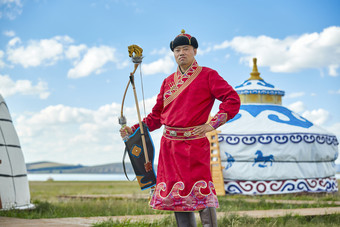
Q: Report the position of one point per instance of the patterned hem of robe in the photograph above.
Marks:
(194, 201)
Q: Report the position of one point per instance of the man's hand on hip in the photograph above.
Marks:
(203, 129)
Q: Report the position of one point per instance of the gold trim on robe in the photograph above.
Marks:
(181, 81)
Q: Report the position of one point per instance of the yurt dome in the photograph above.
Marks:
(268, 149)
(14, 189)
(256, 90)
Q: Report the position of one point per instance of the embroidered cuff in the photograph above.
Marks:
(134, 127)
(218, 120)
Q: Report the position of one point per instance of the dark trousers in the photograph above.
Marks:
(187, 219)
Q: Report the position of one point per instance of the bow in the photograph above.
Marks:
(135, 52)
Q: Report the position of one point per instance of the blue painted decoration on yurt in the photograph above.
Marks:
(268, 149)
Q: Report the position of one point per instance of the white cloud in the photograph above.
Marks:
(334, 92)
(93, 61)
(44, 51)
(223, 45)
(74, 52)
(52, 133)
(297, 107)
(162, 51)
(2, 63)
(53, 116)
(9, 87)
(335, 129)
(292, 54)
(123, 64)
(318, 117)
(332, 70)
(86, 60)
(14, 41)
(201, 51)
(9, 33)
(76, 135)
(164, 65)
(295, 95)
(10, 8)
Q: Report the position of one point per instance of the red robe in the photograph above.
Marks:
(184, 181)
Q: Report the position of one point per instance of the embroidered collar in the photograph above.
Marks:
(180, 82)
(179, 77)
(192, 67)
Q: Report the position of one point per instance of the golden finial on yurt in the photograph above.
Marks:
(255, 75)
(182, 31)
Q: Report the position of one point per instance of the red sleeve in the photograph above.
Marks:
(153, 120)
(225, 93)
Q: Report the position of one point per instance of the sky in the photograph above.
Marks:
(64, 64)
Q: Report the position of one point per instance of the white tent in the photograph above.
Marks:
(14, 189)
(268, 149)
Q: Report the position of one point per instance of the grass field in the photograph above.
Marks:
(50, 201)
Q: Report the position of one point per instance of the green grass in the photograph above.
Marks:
(164, 222)
(295, 196)
(121, 207)
(83, 208)
(240, 204)
(288, 220)
(50, 203)
(50, 190)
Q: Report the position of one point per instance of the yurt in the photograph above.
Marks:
(14, 189)
(268, 149)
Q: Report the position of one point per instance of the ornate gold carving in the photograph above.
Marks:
(255, 75)
(135, 49)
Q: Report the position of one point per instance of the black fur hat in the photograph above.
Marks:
(183, 39)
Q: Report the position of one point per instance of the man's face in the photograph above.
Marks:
(184, 56)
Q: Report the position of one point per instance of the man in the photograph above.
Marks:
(184, 182)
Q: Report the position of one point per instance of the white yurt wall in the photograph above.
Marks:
(268, 149)
(14, 189)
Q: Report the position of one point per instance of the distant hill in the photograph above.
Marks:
(53, 167)
(49, 167)
(115, 168)
(107, 168)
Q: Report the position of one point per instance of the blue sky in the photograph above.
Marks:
(64, 64)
